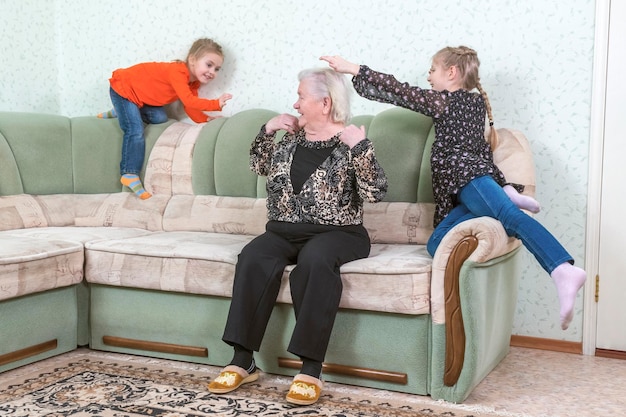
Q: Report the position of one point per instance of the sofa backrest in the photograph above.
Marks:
(50, 154)
(56, 164)
(220, 155)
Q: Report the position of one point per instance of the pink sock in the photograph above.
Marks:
(568, 280)
(522, 201)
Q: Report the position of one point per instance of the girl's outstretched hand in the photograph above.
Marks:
(351, 135)
(341, 65)
(284, 121)
(224, 98)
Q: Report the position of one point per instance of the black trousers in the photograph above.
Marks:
(317, 251)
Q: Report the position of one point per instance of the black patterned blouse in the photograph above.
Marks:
(333, 194)
(460, 152)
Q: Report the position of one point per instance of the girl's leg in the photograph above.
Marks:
(153, 114)
(458, 214)
(133, 145)
(484, 197)
(111, 114)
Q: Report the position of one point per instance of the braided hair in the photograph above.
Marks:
(466, 61)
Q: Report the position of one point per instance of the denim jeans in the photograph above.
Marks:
(132, 118)
(484, 197)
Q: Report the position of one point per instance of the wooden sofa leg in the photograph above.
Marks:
(455, 332)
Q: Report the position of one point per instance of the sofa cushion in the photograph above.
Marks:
(25, 211)
(29, 264)
(119, 210)
(514, 158)
(192, 262)
(395, 278)
(79, 234)
(168, 170)
(397, 222)
(208, 213)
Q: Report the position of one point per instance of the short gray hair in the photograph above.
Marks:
(329, 83)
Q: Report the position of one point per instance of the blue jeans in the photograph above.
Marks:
(484, 197)
(131, 118)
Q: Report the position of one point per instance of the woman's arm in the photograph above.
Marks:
(371, 180)
(262, 147)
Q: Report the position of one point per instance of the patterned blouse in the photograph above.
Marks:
(460, 152)
(333, 194)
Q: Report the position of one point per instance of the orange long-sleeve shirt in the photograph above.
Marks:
(161, 83)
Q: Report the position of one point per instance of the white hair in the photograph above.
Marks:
(329, 83)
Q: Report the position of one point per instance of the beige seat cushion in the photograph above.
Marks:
(80, 234)
(395, 278)
(29, 264)
(191, 262)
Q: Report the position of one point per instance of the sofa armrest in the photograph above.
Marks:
(478, 240)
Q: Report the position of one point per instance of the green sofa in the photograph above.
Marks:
(83, 262)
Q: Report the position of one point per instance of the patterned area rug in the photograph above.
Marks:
(111, 386)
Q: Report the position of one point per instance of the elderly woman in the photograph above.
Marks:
(318, 176)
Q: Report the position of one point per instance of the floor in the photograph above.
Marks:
(539, 383)
(527, 383)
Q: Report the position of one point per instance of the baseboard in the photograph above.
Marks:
(547, 344)
(613, 354)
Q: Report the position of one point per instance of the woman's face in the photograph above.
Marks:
(311, 108)
(205, 67)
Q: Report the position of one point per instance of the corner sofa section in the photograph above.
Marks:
(84, 262)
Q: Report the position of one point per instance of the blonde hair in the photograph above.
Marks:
(466, 61)
(204, 46)
(326, 82)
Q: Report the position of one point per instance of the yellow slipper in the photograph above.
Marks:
(231, 378)
(304, 390)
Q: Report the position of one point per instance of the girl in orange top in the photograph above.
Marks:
(138, 94)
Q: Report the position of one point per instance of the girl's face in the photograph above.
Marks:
(438, 77)
(309, 106)
(205, 67)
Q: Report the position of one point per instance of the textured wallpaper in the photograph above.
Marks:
(536, 65)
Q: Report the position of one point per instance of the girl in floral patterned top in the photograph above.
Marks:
(318, 175)
(466, 182)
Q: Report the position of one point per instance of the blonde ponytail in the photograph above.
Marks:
(493, 134)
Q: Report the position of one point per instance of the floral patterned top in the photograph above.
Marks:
(460, 152)
(333, 194)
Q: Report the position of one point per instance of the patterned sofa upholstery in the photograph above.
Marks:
(85, 263)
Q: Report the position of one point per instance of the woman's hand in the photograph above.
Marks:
(284, 121)
(341, 65)
(351, 135)
(224, 98)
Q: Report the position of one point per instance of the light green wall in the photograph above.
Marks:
(536, 60)
(29, 74)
